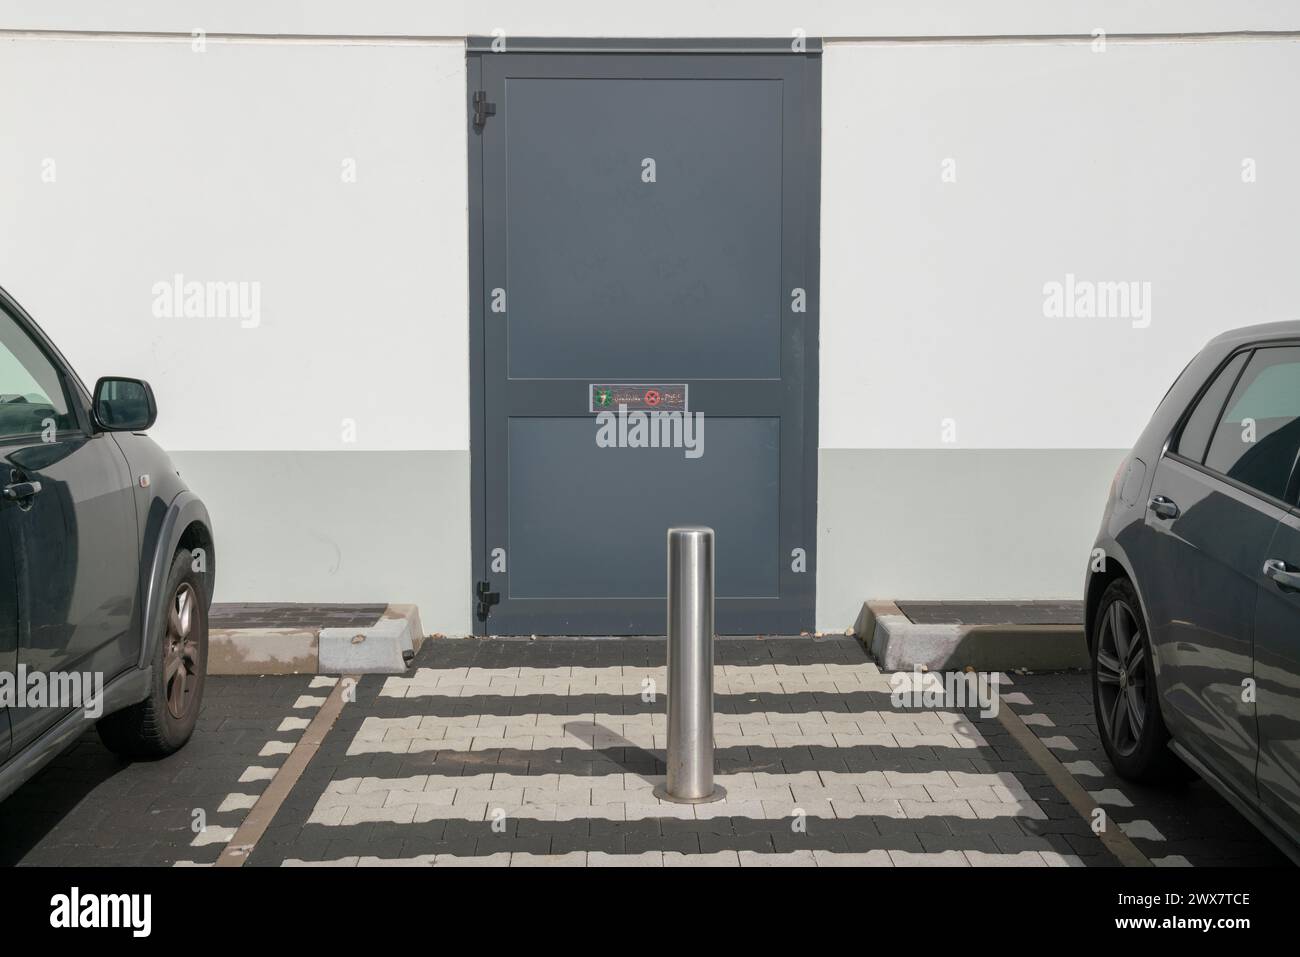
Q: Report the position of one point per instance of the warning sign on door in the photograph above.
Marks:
(645, 397)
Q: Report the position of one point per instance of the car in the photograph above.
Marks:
(1192, 595)
(107, 565)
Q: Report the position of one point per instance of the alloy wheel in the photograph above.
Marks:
(181, 658)
(1122, 675)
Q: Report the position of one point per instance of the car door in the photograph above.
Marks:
(1216, 501)
(1277, 618)
(8, 629)
(70, 513)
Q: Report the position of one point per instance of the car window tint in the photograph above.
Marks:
(1258, 439)
(32, 400)
(1195, 437)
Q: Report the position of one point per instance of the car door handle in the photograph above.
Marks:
(1163, 507)
(1277, 570)
(21, 490)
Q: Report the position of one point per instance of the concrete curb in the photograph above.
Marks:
(384, 648)
(899, 644)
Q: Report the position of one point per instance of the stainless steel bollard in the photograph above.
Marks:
(690, 668)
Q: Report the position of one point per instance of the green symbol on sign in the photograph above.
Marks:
(603, 398)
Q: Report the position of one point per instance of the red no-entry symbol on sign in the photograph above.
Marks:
(652, 397)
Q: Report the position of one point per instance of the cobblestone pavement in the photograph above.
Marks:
(496, 752)
(1181, 825)
(546, 752)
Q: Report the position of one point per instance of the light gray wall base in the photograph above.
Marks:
(346, 526)
(953, 524)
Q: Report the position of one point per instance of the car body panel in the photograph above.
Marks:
(128, 688)
(78, 563)
(1201, 585)
(1277, 677)
(8, 628)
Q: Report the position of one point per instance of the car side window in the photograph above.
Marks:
(1258, 438)
(32, 397)
(1195, 437)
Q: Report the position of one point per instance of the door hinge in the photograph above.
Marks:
(486, 599)
(482, 109)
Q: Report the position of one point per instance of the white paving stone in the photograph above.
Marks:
(821, 858)
(1113, 797)
(623, 680)
(213, 835)
(1083, 769)
(418, 733)
(759, 796)
(1143, 830)
(237, 802)
(256, 773)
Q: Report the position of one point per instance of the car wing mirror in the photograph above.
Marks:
(123, 405)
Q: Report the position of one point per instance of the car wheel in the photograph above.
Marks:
(164, 721)
(1124, 691)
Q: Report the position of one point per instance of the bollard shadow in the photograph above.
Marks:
(632, 758)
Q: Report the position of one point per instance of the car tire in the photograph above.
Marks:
(162, 723)
(1125, 699)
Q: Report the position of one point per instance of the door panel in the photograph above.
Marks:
(1200, 589)
(77, 562)
(610, 276)
(645, 219)
(1277, 673)
(560, 513)
(8, 618)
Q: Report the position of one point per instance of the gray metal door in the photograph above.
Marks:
(645, 234)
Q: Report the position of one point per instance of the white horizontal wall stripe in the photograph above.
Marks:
(830, 18)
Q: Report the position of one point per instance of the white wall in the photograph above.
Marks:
(1122, 165)
(227, 166)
